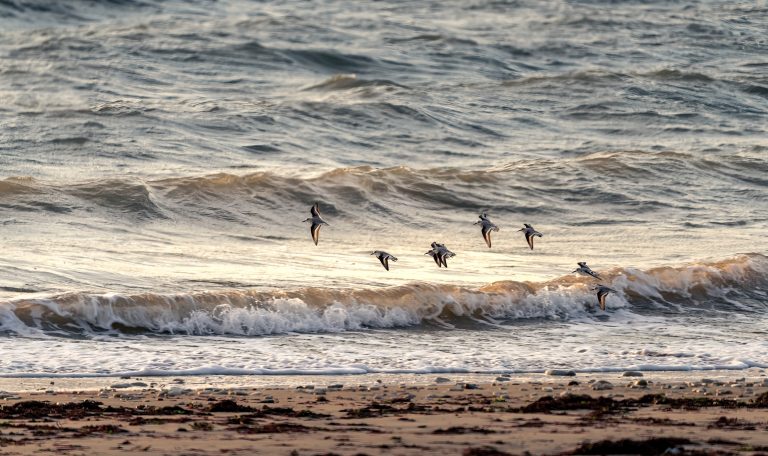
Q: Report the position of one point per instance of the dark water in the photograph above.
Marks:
(157, 158)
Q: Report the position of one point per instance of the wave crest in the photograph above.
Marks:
(733, 285)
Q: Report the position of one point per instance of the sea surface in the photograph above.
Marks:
(157, 159)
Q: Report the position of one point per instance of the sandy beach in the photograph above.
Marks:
(715, 412)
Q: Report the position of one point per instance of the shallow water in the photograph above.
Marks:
(158, 157)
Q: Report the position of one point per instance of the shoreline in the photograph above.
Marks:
(714, 412)
(90, 383)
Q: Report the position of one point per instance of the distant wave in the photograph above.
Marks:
(523, 186)
(597, 77)
(351, 81)
(736, 285)
(31, 10)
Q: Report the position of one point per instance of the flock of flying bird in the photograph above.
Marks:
(440, 252)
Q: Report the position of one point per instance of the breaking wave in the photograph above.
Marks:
(736, 285)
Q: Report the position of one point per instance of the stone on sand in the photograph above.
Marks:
(602, 385)
(632, 374)
(560, 373)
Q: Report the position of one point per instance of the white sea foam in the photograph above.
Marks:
(503, 327)
(725, 285)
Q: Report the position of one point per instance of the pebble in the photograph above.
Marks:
(560, 373)
(573, 383)
(178, 381)
(707, 381)
(502, 379)
(120, 385)
(547, 389)
(238, 392)
(602, 385)
(632, 374)
(128, 396)
(640, 384)
(442, 380)
(174, 391)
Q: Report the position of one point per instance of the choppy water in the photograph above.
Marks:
(157, 158)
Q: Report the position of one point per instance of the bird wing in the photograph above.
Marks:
(443, 259)
(529, 239)
(486, 230)
(601, 298)
(315, 229)
(384, 262)
(315, 211)
(437, 259)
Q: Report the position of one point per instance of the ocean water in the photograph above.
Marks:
(157, 159)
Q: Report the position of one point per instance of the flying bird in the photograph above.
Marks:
(586, 270)
(316, 221)
(384, 257)
(486, 226)
(434, 255)
(602, 292)
(530, 232)
(440, 254)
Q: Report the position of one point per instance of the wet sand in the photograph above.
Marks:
(680, 413)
